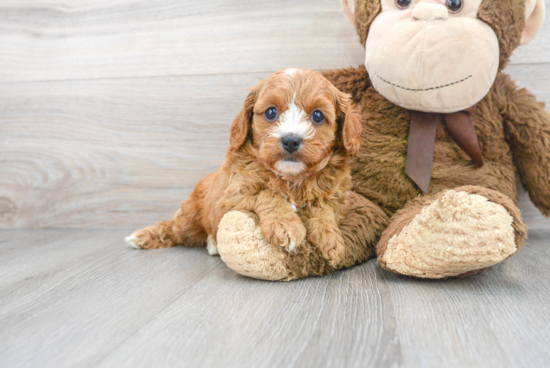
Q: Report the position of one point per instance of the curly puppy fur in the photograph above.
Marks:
(296, 195)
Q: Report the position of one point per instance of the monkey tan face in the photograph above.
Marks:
(440, 55)
(432, 55)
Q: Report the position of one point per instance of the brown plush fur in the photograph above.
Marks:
(250, 179)
(507, 19)
(365, 12)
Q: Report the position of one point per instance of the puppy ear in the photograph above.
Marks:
(351, 125)
(241, 124)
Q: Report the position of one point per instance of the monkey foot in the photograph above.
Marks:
(243, 248)
(457, 232)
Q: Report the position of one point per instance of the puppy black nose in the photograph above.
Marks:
(291, 143)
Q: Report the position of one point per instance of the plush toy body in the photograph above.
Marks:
(468, 220)
(433, 74)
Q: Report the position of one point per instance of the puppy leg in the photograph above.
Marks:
(212, 246)
(363, 224)
(183, 229)
(279, 223)
(322, 231)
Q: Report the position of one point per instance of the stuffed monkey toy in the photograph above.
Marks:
(445, 132)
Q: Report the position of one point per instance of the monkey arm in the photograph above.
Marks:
(527, 127)
(354, 81)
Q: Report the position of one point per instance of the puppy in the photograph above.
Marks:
(287, 162)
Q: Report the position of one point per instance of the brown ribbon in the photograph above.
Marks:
(420, 151)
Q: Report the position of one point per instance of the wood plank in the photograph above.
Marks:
(44, 40)
(69, 311)
(120, 307)
(17, 249)
(62, 39)
(24, 275)
(128, 149)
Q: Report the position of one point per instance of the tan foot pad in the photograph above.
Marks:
(243, 248)
(456, 234)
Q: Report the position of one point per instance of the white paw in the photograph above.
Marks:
(211, 246)
(292, 206)
(132, 241)
(292, 247)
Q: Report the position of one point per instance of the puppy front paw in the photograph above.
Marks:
(330, 244)
(147, 238)
(288, 232)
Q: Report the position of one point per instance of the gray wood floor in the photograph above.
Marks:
(80, 298)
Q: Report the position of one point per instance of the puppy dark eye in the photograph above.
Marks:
(402, 4)
(271, 114)
(454, 6)
(317, 117)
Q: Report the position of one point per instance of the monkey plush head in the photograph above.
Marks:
(440, 56)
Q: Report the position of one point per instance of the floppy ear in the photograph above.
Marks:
(351, 125)
(241, 124)
(534, 18)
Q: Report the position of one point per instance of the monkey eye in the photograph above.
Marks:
(317, 117)
(402, 4)
(454, 6)
(271, 114)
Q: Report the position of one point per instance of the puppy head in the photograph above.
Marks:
(295, 121)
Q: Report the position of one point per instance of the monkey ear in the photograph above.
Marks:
(361, 13)
(349, 10)
(351, 125)
(241, 124)
(534, 18)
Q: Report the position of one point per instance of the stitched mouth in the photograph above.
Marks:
(290, 159)
(424, 89)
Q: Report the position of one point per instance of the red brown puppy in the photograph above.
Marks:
(287, 162)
